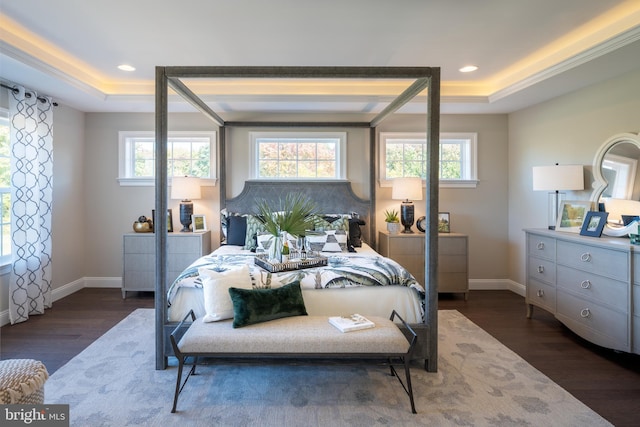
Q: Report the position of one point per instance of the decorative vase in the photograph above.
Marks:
(275, 250)
(393, 227)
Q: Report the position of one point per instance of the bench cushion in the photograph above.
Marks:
(291, 335)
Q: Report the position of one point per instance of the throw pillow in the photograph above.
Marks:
(215, 287)
(254, 226)
(261, 305)
(236, 230)
(327, 241)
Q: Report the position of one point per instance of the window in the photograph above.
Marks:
(188, 154)
(299, 155)
(5, 190)
(403, 154)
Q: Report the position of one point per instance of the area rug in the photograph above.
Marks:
(479, 383)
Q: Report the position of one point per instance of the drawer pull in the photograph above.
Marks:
(540, 246)
(585, 312)
(540, 269)
(585, 257)
(586, 284)
(540, 293)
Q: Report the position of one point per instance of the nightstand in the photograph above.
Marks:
(139, 260)
(408, 251)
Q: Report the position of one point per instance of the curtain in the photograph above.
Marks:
(30, 122)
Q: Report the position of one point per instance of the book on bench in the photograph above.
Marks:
(353, 322)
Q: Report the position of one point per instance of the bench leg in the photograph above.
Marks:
(407, 373)
(179, 387)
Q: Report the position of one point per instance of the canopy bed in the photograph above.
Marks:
(334, 197)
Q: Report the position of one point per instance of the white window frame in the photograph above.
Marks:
(341, 151)
(5, 260)
(470, 163)
(125, 156)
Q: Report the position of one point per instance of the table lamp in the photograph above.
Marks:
(407, 190)
(185, 188)
(555, 179)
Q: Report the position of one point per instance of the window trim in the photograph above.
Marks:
(444, 183)
(341, 155)
(123, 153)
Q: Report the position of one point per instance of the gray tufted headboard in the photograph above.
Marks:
(331, 197)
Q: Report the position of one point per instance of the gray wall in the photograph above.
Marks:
(566, 130)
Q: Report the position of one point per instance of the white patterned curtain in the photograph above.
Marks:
(30, 121)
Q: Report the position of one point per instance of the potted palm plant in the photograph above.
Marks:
(392, 220)
(294, 216)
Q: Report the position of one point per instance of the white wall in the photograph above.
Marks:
(566, 130)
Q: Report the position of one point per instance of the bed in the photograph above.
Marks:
(417, 301)
(356, 278)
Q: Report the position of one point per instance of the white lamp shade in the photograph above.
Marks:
(407, 189)
(558, 177)
(185, 188)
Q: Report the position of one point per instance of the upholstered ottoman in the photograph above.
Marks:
(22, 381)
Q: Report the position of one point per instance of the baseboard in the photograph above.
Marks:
(497, 284)
(116, 282)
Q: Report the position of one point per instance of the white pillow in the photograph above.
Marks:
(215, 287)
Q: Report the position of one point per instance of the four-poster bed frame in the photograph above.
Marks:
(424, 78)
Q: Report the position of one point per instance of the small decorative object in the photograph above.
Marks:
(594, 223)
(634, 239)
(185, 188)
(285, 249)
(143, 225)
(169, 220)
(354, 322)
(444, 225)
(407, 190)
(199, 223)
(392, 220)
(421, 224)
(294, 216)
(572, 215)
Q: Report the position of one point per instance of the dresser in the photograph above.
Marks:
(139, 257)
(589, 284)
(453, 261)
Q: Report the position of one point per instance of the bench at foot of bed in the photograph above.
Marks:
(292, 337)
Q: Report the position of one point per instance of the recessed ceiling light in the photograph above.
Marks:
(468, 69)
(126, 67)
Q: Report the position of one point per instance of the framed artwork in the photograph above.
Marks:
(444, 224)
(572, 214)
(169, 220)
(594, 223)
(199, 223)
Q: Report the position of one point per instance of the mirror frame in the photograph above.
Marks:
(600, 183)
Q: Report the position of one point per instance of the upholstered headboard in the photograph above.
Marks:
(331, 197)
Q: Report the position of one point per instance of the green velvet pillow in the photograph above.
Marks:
(260, 305)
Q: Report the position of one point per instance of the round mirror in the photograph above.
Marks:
(617, 181)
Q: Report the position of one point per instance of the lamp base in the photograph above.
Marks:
(407, 216)
(186, 210)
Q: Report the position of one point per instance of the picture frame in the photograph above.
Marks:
(199, 223)
(169, 220)
(572, 215)
(594, 224)
(444, 222)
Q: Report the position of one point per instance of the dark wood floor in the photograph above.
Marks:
(606, 381)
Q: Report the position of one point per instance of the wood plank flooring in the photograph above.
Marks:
(606, 381)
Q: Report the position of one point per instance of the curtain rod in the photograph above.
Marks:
(41, 99)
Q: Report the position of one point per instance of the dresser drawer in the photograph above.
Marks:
(542, 247)
(542, 295)
(542, 270)
(596, 323)
(135, 244)
(594, 287)
(605, 262)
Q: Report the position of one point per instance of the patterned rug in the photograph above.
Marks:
(479, 383)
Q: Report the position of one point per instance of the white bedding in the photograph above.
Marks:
(365, 300)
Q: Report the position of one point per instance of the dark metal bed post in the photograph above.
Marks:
(160, 226)
(222, 160)
(373, 158)
(431, 241)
